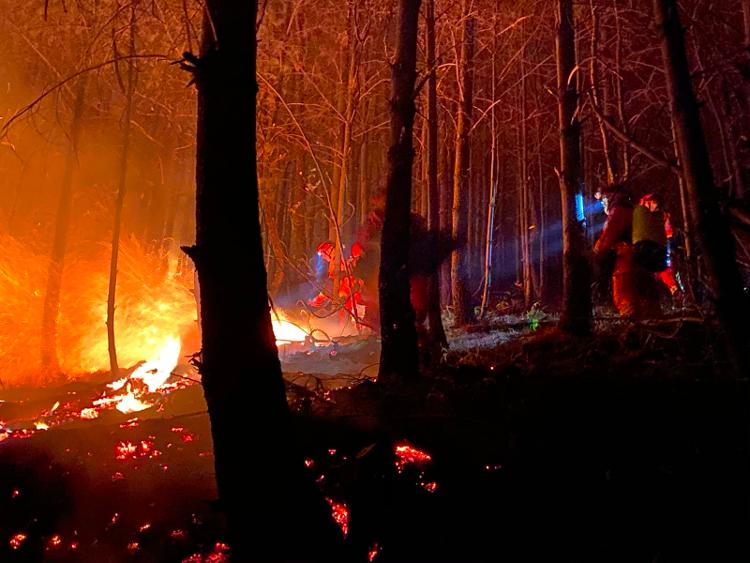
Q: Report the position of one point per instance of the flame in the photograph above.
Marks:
(286, 331)
(129, 403)
(148, 378)
(151, 307)
(156, 371)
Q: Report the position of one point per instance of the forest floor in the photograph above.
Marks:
(527, 445)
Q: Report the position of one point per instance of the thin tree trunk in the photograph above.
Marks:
(713, 232)
(51, 310)
(119, 202)
(398, 356)
(542, 223)
(618, 92)
(463, 313)
(350, 109)
(434, 319)
(490, 227)
(524, 207)
(446, 220)
(576, 314)
(239, 364)
(610, 157)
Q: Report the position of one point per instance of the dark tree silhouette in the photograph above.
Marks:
(274, 511)
(713, 230)
(50, 362)
(576, 314)
(398, 356)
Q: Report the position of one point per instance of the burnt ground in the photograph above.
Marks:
(631, 445)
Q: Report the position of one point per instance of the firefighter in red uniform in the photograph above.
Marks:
(653, 203)
(629, 292)
(350, 286)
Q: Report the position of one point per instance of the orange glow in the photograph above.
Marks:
(152, 308)
(407, 454)
(340, 515)
(285, 331)
(17, 540)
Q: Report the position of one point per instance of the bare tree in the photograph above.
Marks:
(50, 362)
(576, 315)
(239, 362)
(435, 322)
(398, 356)
(462, 310)
(713, 232)
(120, 201)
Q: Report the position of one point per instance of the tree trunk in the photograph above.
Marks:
(712, 229)
(463, 313)
(610, 156)
(240, 368)
(576, 314)
(398, 356)
(50, 362)
(489, 236)
(446, 220)
(434, 320)
(523, 186)
(121, 188)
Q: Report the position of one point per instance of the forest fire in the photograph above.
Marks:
(505, 247)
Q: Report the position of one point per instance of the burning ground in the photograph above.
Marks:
(540, 446)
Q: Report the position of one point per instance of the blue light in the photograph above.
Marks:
(580, 213)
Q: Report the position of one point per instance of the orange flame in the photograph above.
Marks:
(152, 306)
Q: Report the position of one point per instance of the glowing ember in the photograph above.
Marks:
(41, 425)
(17, 540)
(340, 515)
(409, 455)
(133, 546)
(373, 553)
(54, 542)
(430, 487)
(144, 449)
(89, 414)
(15, 493)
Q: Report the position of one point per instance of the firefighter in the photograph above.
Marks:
(630, 292)
(350, 286)
(656, 234)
